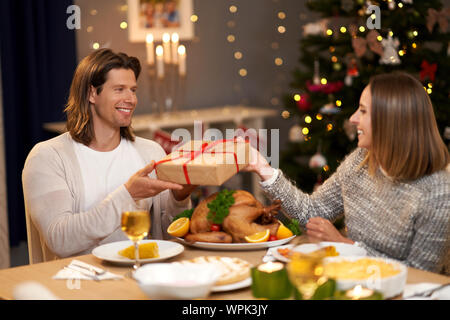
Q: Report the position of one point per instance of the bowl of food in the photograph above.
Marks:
(176, 281)
(381, 274)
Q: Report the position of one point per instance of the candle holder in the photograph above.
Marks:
(358, 293)
(270, 281)
(167, 74)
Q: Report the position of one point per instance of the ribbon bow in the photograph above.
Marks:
(360, 44)
(427, 70)
(439, 17)
(190, 155)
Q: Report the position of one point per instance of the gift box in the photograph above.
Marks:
(201, 162)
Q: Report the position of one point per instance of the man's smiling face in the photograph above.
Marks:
(113, 107)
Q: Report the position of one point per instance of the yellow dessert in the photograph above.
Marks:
(364, 268)
(146, 251)
(330, 251)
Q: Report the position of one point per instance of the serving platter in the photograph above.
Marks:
(236, 246)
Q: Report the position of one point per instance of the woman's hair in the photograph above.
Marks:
(92, 71)
(405, 138)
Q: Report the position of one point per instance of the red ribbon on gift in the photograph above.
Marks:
(192, 154)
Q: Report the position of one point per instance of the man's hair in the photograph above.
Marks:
(405, 137)
(93, 71)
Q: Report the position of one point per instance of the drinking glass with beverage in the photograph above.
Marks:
(136, 224)
(306, 272)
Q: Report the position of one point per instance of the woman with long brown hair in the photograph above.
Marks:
(394, 189)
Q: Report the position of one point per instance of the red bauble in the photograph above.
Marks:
(330, 87)
(304, 104)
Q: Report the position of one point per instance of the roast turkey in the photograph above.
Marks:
(246, 216)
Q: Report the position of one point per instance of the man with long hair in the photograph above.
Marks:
(77, 184)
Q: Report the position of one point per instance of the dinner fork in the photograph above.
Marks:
(89, 268)
(427, 293)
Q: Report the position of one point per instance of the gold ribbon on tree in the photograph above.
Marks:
(360, 44)
(439, 17)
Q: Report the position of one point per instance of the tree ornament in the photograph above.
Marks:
(447, 133)
(352, 69)
(407, 1)
(315, 28)
(317, 161)
(304, 104)
(329, 108)
(390, 55)
(360, 44)
(296, 134)
(439, 17)
(328, 88)
(349, 129)
(427, 70)
(367, 5)
(316, 76)
(347, 5)
(391, 4)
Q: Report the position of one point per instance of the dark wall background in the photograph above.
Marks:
(212, 70)
(38, 57)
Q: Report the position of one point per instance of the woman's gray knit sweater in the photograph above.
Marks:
(406, 221)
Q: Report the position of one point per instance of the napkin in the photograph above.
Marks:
(32, 290)
(83, 271)
(410, 289)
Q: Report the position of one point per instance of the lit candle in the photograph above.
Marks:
(359, 292)
(270, 267)
(175, 39)
(150, 50)
(159, 62)
(182, 60)
(270, 281)
(166, 45)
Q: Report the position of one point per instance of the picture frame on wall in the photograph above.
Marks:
(158, 17)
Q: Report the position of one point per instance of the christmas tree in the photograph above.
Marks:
(353, 41)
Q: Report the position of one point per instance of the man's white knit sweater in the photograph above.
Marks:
(54, 197)
(406, 221)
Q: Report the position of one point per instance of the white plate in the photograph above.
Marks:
(343, 249)
(236, 246)
(233, 286)
(110, 251)
(278, 255)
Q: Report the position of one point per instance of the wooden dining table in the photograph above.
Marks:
(128, 289)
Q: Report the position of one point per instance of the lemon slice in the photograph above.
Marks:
(179, 227)
(284, 232)
(258, 237)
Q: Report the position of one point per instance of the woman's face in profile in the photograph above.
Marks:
(362, 119)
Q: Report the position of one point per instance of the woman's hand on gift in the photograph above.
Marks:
(323, 230)
(258, 164)
(141, 186)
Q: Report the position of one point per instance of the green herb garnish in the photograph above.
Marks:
(186, 213)
(219, 207)
(294, 226)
